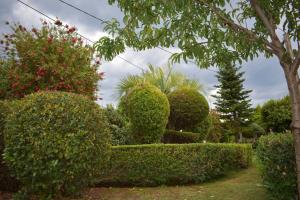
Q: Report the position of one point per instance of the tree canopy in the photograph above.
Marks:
(204, 30)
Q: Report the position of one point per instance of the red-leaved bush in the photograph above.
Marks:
(53, 57)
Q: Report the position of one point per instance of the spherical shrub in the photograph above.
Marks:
(148, 110)
(56, 142)
(187, 108)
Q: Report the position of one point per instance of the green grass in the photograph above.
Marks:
(242, 185)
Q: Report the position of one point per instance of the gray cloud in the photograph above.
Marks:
(263, 76)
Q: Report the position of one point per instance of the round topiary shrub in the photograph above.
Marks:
(56, 143)
(148, 111)
(187, 109)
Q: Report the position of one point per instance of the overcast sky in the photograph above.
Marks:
(263, 76)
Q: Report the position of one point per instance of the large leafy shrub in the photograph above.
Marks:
(156, 164)
(277, 160)
(148, 111)
(119, 126)
(277, 114)
(177, 137)
(50, 58)
(55, 143)
(187, 108)
(7, 182)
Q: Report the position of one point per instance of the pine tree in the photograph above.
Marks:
(232, 99)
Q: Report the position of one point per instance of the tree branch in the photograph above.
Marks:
(237, 27)
(269, 26)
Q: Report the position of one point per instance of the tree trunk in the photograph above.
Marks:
(293, 83)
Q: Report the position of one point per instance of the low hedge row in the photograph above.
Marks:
(156, 164)
(277, 163)
(177, 137)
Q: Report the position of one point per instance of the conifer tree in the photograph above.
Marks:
(232, 99)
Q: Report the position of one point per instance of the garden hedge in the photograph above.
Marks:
(55, 143)
(157, 164)
(177, 137)
(277, 163)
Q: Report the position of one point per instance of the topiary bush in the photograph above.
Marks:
(52, 57)
(56, 142)
(187, 109)
(157, 164)
(276, 156)
(177, 137)
(7, 182)
(148, 111)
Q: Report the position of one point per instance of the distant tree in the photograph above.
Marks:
(215, 33)
(276, 115)
(256, 116)
(215, 131)
(49, 58)
(165, 78)
(232, 100)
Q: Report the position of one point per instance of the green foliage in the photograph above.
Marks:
(177, 137)
(253, 130)
(164, 78)
(148, 111)
(50, 58)
(119, 126)
(232, 100)
(277, 114)
(157, 164)
(55, 143)
(203, 128)
(277, 158)
(187, 109)
(7, 183)
(215, 132)
(213, 33)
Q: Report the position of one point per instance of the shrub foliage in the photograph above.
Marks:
(7, 182)
(177, 137)
(50, 58)
(55, 142)
(277, 158)
(118, 125)
(187, 108)
(277, 114)
(156, 164)
(148, 110)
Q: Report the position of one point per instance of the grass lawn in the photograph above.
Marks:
(242, 185)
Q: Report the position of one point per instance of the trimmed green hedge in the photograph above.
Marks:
(156, 164)
(177, 137)
(277, 162)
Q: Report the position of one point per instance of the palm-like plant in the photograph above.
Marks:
(165, 78)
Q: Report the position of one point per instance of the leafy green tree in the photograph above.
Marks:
(215, 32)
(165, 78)
(232, 100)
(256, 116)
(277, 114)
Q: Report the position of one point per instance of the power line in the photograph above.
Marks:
(48, 17)
(104, 21)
